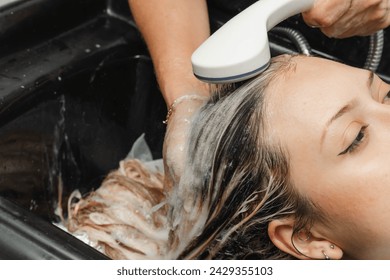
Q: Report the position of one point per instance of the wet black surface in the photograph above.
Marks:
(26, 236)
(79, 132)
(72, 102)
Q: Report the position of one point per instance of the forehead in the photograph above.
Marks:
(300, 102)
(307, 94)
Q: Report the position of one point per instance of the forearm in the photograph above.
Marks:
(172, 30)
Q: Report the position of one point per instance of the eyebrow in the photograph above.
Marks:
(346, 108)
(370, 79)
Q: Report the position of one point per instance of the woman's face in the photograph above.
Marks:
(334, 122)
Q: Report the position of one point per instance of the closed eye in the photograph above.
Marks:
(360, 137)
(386, 98)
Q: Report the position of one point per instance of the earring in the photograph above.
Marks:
(331, 246)
(325, 255)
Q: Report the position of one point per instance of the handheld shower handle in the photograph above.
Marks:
(275, 12)
(239, 50)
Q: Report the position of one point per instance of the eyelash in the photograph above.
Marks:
(387, 95)
(359, 137)
(356, 142)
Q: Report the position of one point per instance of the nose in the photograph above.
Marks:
(378, 119)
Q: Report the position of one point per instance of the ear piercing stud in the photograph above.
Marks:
(331, 246)
(325, 255)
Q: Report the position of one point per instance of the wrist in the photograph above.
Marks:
(183, 99)
(175, 78)
(172, 89)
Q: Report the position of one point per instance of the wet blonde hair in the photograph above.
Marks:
(236, 181)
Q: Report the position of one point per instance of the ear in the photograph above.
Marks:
(304, 245)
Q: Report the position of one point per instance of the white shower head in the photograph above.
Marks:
(240, 50)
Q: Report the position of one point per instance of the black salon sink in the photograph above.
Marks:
(77, 88)
(74, 96)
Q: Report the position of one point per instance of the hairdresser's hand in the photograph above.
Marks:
(178, 129)
(172, 31)
(346, 18)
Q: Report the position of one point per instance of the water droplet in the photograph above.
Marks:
(87, 50)
(97, 46)
(59, 78)
(33, 205)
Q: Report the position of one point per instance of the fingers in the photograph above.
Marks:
(326, 13)
(341, 19)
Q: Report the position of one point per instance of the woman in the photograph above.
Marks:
(173, 30)
(294, 163)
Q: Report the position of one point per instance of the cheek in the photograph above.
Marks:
(340, 201)
(358, 213)
(355, 194)
(356, 200)
(355, 186)
(344, 193)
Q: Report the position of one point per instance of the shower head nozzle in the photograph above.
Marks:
(240, 50)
